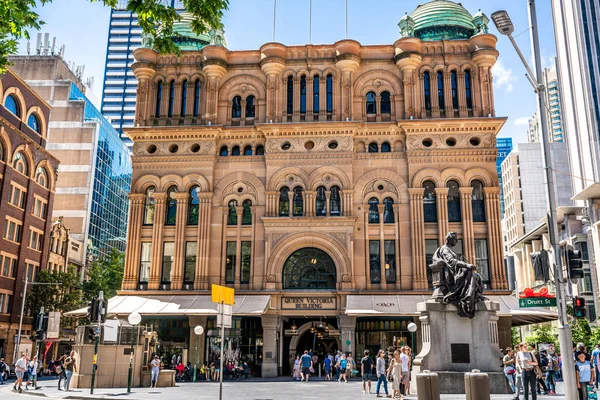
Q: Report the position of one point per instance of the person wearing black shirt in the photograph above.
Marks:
(366, 368)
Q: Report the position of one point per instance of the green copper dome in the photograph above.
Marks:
(442, 20)
(187, 40)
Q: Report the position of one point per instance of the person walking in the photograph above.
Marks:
(381, 374)
(59, 367)
(32, 370)
(342, 365)
(327, 365)
(2, 370)
(405, 360)
(584, 374)
(70, 368)
(20, 368)
(306, 363)
(366, 368)
(297, 374)
(596, 363)
(509, 369)
(155, 367)
(395, 371)
(548, 371)
(527, 361)
(349, 365)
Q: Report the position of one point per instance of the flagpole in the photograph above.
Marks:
(274, 14)
(309, 20)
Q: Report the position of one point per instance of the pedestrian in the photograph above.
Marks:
(306, 364)
(405, 360)
(527, 361)
(32, 370)
(342, 365)
(548, 370)
(20, 368)
(155, 367)
(585, 375)
(2, 370)
(350, 366)
(70, 367)
(395, 370)
(59, 367)
(509, 369)
(518, 380)
(366, 367)
(595, 359)
(327, 364)
(297, 375)
(338, 356)
(381, 374)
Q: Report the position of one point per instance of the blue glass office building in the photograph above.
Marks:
(504, 146)
(120, 85)
(109, 209)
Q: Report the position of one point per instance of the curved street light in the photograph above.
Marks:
(134, 319)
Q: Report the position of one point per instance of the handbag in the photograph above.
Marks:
(510, 370)
(538, 372)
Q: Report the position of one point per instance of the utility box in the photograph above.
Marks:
(428, 386)
(477, 385)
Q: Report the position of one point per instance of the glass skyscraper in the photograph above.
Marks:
(119, 85)
(504, 146)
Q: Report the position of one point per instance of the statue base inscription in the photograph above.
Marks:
(453, 345)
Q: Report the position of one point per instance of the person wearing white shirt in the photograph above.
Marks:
(32, 370)
(20, 368)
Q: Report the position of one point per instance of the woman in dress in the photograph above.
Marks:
(297, 375)
(395, 371)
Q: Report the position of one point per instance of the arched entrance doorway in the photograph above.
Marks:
(309, 268)
(320, 336)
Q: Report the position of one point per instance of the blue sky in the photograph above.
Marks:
(83, 28)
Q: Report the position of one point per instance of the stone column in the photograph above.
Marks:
(141, 106)
(327, 203)
(296, 111)
(494, 231)
(204, 216)
(466, 209)
(409, 100)
(397, 273)
(417, 228)
(180, 224)
(476, 94)
(435, 103)
(485, 90)
(323, 98)
(238, 246)
(157, 240)
(177, 100)
(519, 271)
(441, 195)
(132, 254)
(448, 107)
(347, 326)
(310, 208)
(462, 95)
(270, 325)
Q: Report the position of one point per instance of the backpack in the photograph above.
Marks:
(543, 361)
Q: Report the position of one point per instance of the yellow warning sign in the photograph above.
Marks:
(222, 294)
(95, 358)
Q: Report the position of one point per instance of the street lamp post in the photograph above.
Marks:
(505, 26)
(134, 319)
(412, 328)
(198, 330)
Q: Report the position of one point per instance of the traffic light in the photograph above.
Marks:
(41, 321)
(578, 307)
(574, 263)
(92, 311)
(91, 334)
(40, 335)
(102, 308)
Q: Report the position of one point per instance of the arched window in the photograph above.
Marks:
(149, 206)
(12, 105)
(373, 147)
(427, 90)
(171, 99)
(159, 93)
(250, 110)
(453, 202)
(429, 202)
(388, 211)
(41, 177)
(171, 215)
(284, 202)
(385, 147)
(371, 103)
(20, 163)
(232, 212)
(290, 95)
(440, 89)
(193, 205)
(386, 105)
(196, 98)
(236, 107)
(335, 203)
(478, 202)
(298, 207)
(1, 151)
(34, 123)
(316, 94)
(329, 96)
(309, 268)
(320, 202)
(260, 150)
(235, 151)
(454, 84)
(248, 150)
(468, 92)
(373, 210)
(247, 214)
(184, 87)
(224, 151)
(303, 95)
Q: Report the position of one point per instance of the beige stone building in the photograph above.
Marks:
(317, 181)
(65, 251)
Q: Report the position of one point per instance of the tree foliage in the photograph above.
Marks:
(581, 331)
(19, 17)
(542, 333)
(104, 275)
(63, 295)
(515, 336)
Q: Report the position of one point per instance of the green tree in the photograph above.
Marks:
(515, 336)
(64, 293)
(581, 332)
(104, 275)
(19, 16)
(542, 333)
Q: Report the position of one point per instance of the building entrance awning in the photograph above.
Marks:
(178, 305)
(406, 305)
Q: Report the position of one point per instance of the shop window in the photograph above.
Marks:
(232, 213)
(374, 261)
(429, 202)
(230, 262)
(373, 210)
(320, 202)
(167, 263)
(245, 262)
(309, 268)
(191, 254)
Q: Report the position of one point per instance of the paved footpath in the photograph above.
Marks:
(253, 389)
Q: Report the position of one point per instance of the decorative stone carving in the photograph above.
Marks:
(271, 278)
(297, 145)
(346, 278)
(277, 237)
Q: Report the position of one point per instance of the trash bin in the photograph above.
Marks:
(477, 385)
(428, 386)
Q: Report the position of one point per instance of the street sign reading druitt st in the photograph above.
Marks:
(537, 302)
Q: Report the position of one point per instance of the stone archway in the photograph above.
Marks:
(304, 329)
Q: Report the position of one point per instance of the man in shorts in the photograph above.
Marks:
(20, 368)
(306, 364)
(366, 367)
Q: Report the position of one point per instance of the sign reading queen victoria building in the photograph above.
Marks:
(315, 180)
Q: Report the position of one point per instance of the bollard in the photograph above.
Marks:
(428, 386)
(477, 385)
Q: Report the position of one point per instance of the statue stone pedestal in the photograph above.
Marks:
(453, 345)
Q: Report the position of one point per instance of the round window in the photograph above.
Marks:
(195, 148)
(333, 145)
(475, 141)
(286, 146)
(309, 145)
(151, 149)
(173, 148)
(427, 142)
(451, 142)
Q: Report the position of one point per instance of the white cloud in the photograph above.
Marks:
(522, 121)
(503, 77)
